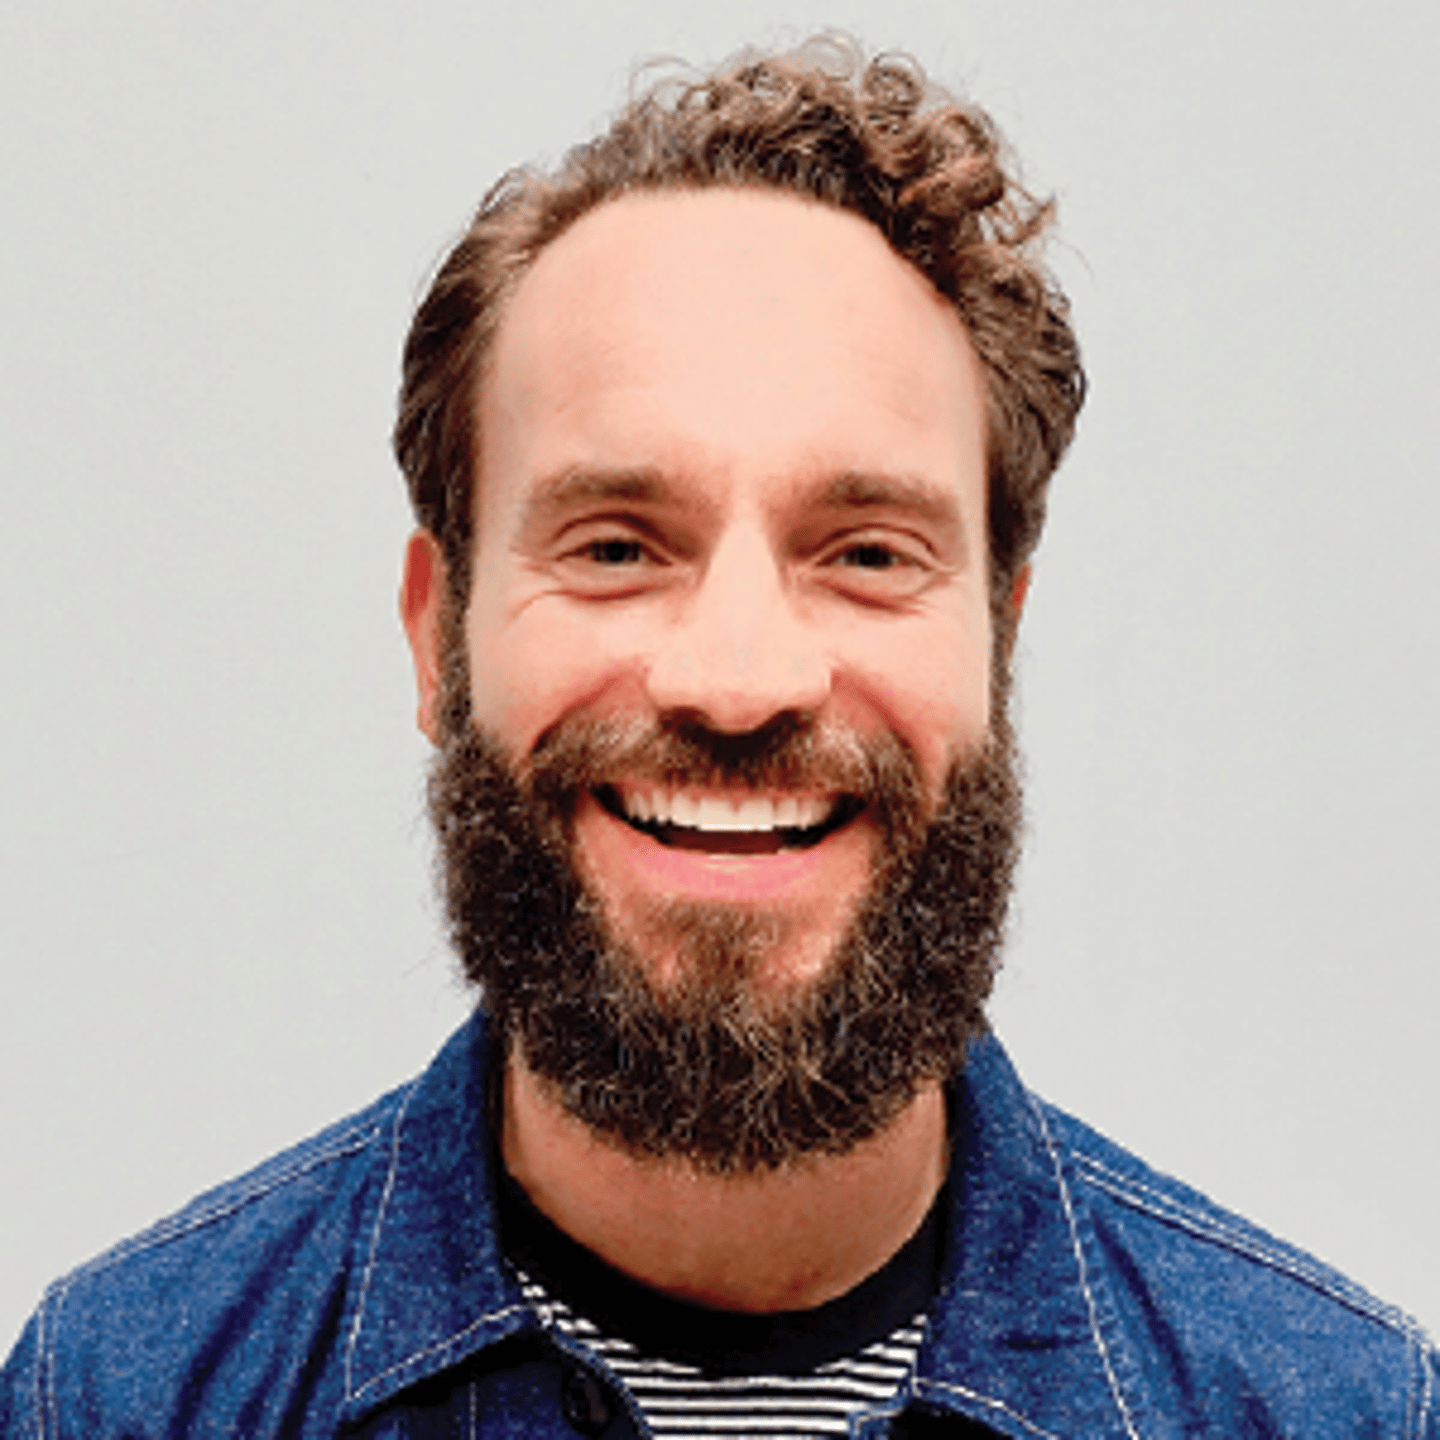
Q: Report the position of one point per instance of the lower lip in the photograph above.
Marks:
(614, 848)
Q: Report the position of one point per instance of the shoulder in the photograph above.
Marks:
(254, 1308)
(284, 1190)
(288, 1192)
(1204, 1302)
(266, 1253)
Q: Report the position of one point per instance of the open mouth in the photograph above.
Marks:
(751, 825)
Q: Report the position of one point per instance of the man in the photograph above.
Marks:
(729, 444)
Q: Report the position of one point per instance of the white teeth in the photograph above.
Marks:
(756, 814)
(812, 812)
(716, 813)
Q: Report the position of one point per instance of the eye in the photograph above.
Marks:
(615, 551)
(879, 569)
(609, 560)
(870, 555)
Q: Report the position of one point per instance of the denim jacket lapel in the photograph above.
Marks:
(1021, 1335)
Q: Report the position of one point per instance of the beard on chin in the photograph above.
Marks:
(711, 1066)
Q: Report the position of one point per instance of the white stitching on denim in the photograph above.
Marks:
(186, 1222)
(1080, 1262)
(1425, 1371)
(375, 1234)
(990, 1404)
(1147, 1198)
(450, 1342)
(47, 1407)
(473, 1419)
(163, 1233)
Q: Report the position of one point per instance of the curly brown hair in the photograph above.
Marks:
(871, 136)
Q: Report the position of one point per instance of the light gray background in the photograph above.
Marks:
(216, 926)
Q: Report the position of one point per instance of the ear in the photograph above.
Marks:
(422, 601)
(1018, 591)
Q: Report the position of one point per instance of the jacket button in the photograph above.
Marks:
(586, 1405)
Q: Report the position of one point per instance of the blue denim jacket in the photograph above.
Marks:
(354, 1285)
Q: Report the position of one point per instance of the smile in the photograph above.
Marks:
(750, 825)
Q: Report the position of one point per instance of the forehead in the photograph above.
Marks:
(725, 330)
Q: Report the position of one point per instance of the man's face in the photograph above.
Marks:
(726, 805)
(732, 471)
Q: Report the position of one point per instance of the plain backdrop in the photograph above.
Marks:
(217, 925)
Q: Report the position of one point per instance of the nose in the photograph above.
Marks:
(738, 652)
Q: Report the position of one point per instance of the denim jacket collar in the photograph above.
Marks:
(1017, 1327)
(432, 1287)
(1017, 1331)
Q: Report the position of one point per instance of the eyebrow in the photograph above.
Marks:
(855, 489)
(580, 485)
(864, 490)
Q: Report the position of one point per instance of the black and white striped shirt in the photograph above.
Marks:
(703, 1373)
(681, 1402)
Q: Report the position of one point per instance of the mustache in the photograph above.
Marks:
(789, 753)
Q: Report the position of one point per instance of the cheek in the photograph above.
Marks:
(932, 690)
(529, 673)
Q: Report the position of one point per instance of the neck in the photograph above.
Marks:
(786, 1239)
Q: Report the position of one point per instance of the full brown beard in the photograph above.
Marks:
(714, 1067)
